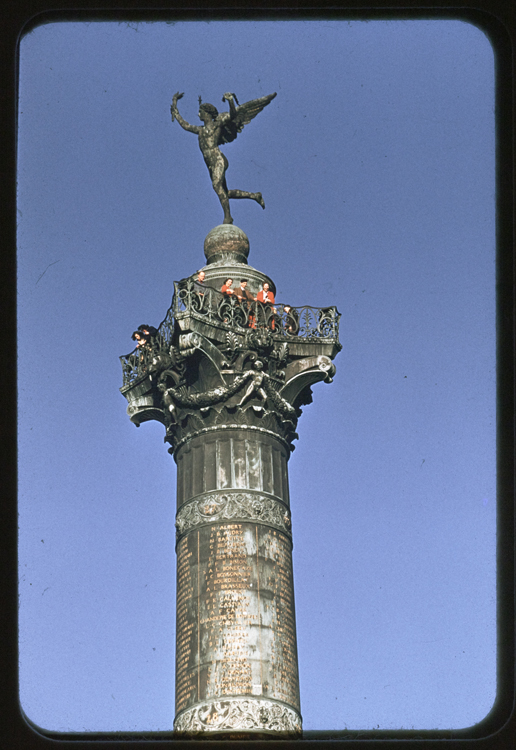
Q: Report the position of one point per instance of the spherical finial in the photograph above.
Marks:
(226, 243)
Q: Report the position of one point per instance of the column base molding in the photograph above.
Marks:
(239, 715)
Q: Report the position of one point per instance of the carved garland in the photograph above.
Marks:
(208, 398)
(281, 404)
(223, 393)
(229, 505)
(238, 714)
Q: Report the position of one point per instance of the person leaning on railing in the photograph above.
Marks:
(195, 281)
(199, 284)
(226, 288)
(245, 298)
(227, 291)
(266, 297)
(143, 346)
(149, 333)
(200, 288)
(243, 293)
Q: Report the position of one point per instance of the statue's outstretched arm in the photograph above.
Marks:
(231, 98)
(176, 116)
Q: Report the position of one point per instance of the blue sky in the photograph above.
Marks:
(376, 163)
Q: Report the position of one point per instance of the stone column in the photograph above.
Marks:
(236, 663)
(227, 378)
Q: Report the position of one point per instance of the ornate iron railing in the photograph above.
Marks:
(203, 302)
(206, 304)
(142, 359)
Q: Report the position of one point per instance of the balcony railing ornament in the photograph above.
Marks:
(266, 330)
(200, 300)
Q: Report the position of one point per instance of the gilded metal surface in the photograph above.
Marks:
(238, 714)
(227, 506)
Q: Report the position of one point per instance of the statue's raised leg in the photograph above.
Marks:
(244, 194)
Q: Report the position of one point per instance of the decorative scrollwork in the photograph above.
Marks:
(261, 340)
(238, 714)
(281, 320)
(262, 323)
(225, 506)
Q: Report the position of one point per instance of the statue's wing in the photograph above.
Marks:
(244, 114)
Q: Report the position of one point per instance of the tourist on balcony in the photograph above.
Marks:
(140, 338)
(193, 282)
(226, 288)
(199, 289)
(266, 297)
(149, 332)
(244, 295)
(242, 292)
(199, 283)
(143, 347)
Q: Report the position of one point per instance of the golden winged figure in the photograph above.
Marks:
(217, 129)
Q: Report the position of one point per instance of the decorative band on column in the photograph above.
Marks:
(235, 426)
(228, 505)
(238, 714)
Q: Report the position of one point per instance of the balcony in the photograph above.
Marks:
(307, 330)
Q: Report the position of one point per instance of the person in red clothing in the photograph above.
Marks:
(266, 297)
(226, 287)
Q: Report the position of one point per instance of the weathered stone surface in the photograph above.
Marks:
(228, 379)
(227, 243)
(233, 506)
(239, 714)
(235, 618)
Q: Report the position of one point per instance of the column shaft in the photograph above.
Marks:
(236, 662)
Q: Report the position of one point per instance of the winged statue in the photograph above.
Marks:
(217, 129)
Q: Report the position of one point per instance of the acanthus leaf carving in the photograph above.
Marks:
(225, 506)
(232, 346)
